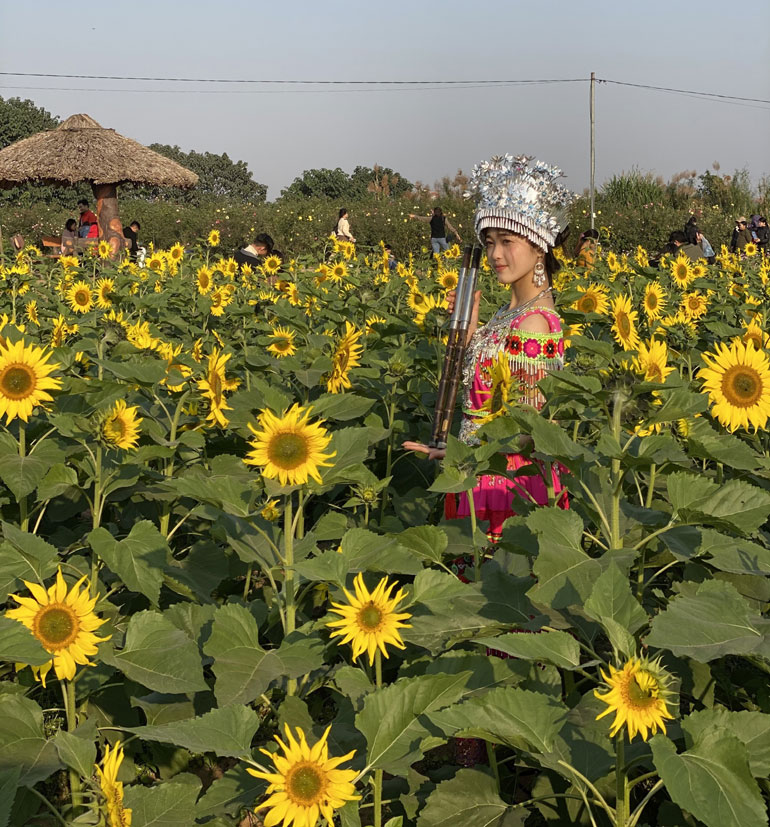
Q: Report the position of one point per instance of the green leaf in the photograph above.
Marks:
(23, 474)
(59, 479)
(391, 719)
(706, 443)
(470, 798)
(506, 715)
(236, 789)
(76, 752)
(426, 541)
(9, 782)
(713, 622)
(22, 740)
(711, 780)
(751, 728)
(612, 604)
(19, 645)
(138, 560)
(565, 573)
(558, 648)
(341, 406)
(225, 731)
(734, 554)
(687, 491)
(24, 556)
(164, 805)
(159, 656)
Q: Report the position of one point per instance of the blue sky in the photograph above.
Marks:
(424, 134)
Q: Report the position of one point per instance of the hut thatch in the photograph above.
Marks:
(82, 150)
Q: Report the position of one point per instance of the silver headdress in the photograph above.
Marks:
(520, 196)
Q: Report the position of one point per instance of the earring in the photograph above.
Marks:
(539, 278)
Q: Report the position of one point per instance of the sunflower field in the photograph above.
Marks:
(232, 598)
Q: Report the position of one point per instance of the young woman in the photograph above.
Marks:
(520, 219)
(342, 229)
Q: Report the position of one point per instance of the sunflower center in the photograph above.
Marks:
(652, 301)
(282, 344)
(742, 386)
(498, 397)
(82, 297)
(624, 325)
(369, 617)
(589, 304)
(654, 373)
(56, 626)
(288, 450)
(642, 690)
(305, 784)
(17, 382)
(342, 359)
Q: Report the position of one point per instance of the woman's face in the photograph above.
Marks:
(511, 256)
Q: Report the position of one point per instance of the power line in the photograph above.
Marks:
(682, 91)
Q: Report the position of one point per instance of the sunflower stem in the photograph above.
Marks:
(378, 773)
(288, 579)
(70, 711)
(388, 453)
(617, 413)
(476, 552)
(23, 516)
(54, 812)
(168, 471)
(621, 782)
(96, 516)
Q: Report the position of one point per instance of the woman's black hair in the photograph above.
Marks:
(552, 264)
(264, 240)
(343, 213)
(71, 224)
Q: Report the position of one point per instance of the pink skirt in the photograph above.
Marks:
(493, 496)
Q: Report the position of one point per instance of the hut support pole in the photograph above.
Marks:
(110, 228)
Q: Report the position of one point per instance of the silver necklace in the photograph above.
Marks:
(510, 312)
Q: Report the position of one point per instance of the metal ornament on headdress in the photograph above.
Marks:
(521, 194)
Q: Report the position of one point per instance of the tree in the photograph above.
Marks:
(21, 118)
(219, 177)
(337, 185)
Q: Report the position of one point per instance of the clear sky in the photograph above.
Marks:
(707, 46)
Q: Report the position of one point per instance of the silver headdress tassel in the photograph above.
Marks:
(520, 193)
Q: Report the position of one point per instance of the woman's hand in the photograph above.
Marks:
(421, 448)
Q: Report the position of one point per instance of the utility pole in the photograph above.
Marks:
(593, 148)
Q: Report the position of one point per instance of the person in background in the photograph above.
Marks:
(708, 250)
(131, 234)
(438, 227)
(679, 245)
(88, 226)
(691, 230)
(585, 252)
(392, 263)
(255, 253)
(741, 235)
(68, 236)
(342, 227)
(763, 235)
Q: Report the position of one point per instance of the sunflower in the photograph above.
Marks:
(756, 336)
(612, 262)
(641, 257)
(282, 342)
(371, 320)
(61, 330)
(121, 426)
(112, 789)
(24, 379)
(346, 356)
(737, 380)
(214, 386)
(694, 305)
(104, 287)
(219, 300)
(270, 511)
(288, 448)
(176, 253)
(593, 299)
(68, 262)
(203, 280)
(197, 350)
(750, 249)
(104, 250)
(338, 272)
(80, 297)
(306, 783)
(651, 361)
(624, 326)
(213, 238)
(448, 279)
(169, 353)
(681, 271)
(654, 301)
(498, 391)
(156, 262)
(271, 265)
(699, 270)
(638, 696)
(369, 620)
(30, 311)
(64, 623)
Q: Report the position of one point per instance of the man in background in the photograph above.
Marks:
(88, 226)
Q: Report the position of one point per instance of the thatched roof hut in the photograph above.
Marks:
(82, 150)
